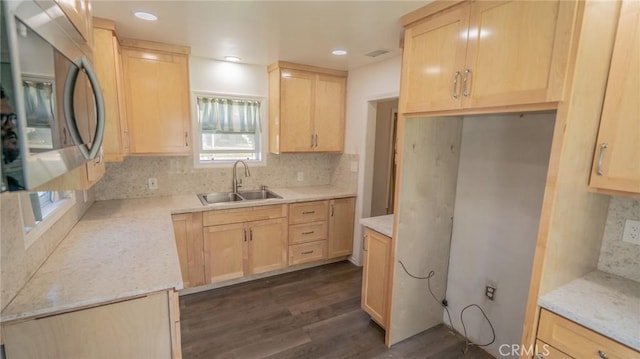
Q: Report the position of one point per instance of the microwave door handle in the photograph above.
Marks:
(69, 111)
(97, 94)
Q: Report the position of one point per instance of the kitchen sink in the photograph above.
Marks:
(253, 195)
(219, 197)
(224, 197)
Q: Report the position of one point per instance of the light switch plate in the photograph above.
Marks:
(300, 176)
(631, 232)
(354, 166)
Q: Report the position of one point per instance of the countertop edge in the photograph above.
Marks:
(551, 303)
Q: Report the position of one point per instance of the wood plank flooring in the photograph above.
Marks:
(313, 313)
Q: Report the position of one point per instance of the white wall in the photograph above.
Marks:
(378, 81)
(501, 180)
(228, 78)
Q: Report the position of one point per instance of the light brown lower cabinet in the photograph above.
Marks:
(375, 275)
(240, 249)
(146, 327)
(187, 229)
(341, 213)
(566, 339)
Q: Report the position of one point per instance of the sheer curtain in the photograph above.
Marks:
(222, 115)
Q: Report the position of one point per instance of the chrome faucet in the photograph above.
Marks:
(235, 181)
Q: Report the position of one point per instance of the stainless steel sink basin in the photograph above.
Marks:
(224, 197)
(254, 195)
(218, 197)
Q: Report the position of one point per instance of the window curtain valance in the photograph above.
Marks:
(223, 115)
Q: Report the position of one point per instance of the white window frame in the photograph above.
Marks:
(196, 135)
(52, 212)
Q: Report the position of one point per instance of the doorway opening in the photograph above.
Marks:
(384, 154)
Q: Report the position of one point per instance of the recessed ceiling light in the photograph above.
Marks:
(232, 58)
(145, 16)
(339, 52)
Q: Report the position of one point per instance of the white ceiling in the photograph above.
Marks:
(263, 32)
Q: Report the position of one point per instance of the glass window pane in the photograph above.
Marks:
(228, 141)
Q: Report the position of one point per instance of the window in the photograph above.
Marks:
(40, 210)
(229, 129)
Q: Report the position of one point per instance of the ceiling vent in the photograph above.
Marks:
(377, 53)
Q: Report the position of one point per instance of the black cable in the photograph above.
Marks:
(467, 342)
(428, 278)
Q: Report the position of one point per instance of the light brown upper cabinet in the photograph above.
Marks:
(156, 82)
(616, 164)
(79, 13)
(306, 108)
(485, 54)
(108, 66)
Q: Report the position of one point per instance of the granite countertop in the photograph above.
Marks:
(382, 224)
(122, 249)
(603, 302)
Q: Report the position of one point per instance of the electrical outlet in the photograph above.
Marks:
(490, 292)
(631, 232)
(300, 176)
(354, 166)
(153, 183)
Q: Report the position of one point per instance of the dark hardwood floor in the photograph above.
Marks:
(313, 313)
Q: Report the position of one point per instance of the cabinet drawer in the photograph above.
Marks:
(307, 232)
(546, 351)
(246, 214)
(307, 212)
(307, 252)
(578, 341)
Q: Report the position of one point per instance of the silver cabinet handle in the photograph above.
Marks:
(603, 148)
(332, 210)
(310, 232)
(456, 76)
(307, 252)
(316, 137)
(312, 140)
(245, 234)
(186, 138)
(250, 234)
(602, 354)
(364, 243)
(465, 81)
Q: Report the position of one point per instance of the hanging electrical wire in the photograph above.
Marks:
(443, 303)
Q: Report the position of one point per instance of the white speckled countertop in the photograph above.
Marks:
(603, 302)
(382, 224)
(122, 249)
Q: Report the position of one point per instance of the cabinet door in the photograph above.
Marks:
(224, 252)
(104, 63)
(375, 275)
(157, 90)
(296, 111)
(79, 13)
(135, 328)
(617, 158)
(267, 245)
(517, 52)
(328, 120)
(187, 229)
(433, 59)
(341, 212)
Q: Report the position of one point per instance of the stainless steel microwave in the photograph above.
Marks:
(52, 108)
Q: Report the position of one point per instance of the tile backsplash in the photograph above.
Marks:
(177, 175)
(618, 257)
